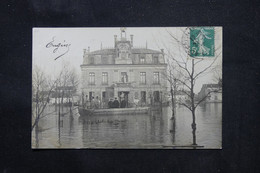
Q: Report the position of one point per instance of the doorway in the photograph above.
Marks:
(91, 94)
(123, 95)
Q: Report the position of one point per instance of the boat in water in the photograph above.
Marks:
(113, 111)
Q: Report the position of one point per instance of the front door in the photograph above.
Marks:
(123, 95)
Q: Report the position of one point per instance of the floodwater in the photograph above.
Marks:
(155, 130)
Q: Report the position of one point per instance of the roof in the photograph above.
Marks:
(148, 51)
(134, 51)
(182, 92)
(65, 88)
(211, 85)
(103, 52)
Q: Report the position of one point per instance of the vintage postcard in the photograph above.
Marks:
(128, 87)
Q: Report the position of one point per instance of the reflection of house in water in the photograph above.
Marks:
(123, 71)
(112, 131)
(214, 92)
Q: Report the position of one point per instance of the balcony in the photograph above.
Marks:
(123, 84)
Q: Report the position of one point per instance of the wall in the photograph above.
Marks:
(114, 73)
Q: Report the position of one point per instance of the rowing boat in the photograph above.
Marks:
(113, 111)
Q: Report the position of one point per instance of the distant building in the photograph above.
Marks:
(212, 92)
(181, 96)
(64, 94)
(125, 72)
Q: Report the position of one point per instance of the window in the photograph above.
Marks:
(136, 95)
(104, 95)
(156, 96)
(156, 77)
(91, 78)
(143, 96)
(104, 78)
(155, 60)
(143, 77)
(91, 60)
(104, 60)
(124, 77)
(142, 60)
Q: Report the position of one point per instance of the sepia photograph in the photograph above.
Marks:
(127, 88)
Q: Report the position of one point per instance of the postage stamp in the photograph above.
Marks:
(202, 42)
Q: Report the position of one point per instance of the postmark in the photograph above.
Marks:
(202, 42)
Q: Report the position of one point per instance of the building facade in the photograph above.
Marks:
(124, 72)
(212, 92)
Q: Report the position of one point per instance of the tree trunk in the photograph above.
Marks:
(173, 105)
(193, 126)
(36, 135)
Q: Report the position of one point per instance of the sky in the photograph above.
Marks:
(75, 40)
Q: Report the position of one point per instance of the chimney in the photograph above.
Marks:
(88, 49)
(132, 38)
(115, 38)
(84, 50)
(162, 50)
(101, 46)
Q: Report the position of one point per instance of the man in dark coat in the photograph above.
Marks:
(115, 103)
(110, 103)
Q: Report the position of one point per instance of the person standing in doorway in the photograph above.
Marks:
(97, 103)
(92, 102)
(123, 103)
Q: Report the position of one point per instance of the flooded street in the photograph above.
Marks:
(155, 130)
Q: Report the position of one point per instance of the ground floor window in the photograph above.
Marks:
(156, 96)
(143, 96)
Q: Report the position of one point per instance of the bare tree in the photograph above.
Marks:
(42, 88)
(172, 77)
(185, 71)
(217, 74)
(67, 84)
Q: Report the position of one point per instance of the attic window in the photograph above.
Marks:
(142, 60)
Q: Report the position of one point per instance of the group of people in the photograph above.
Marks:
(115, 103)
(93, 103)
(96, 103)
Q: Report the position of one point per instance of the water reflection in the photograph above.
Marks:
(157, 129)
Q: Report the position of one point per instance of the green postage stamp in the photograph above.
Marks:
(202, 42)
